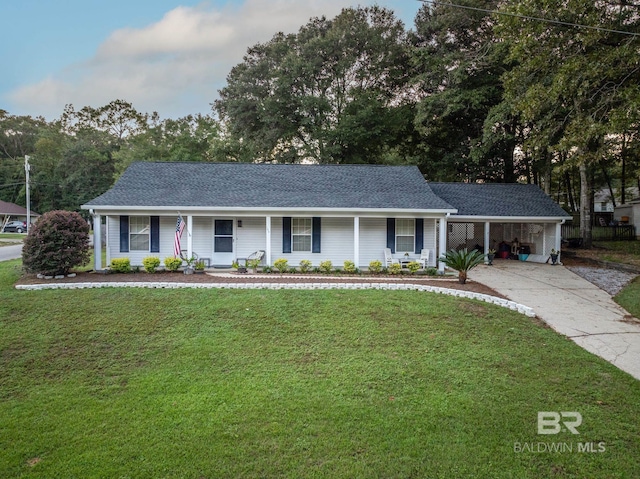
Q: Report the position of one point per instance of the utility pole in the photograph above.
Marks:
(27, 168)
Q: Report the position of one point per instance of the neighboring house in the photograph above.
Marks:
(11, 211)
(314, 212)
(603, 203)
(492, 214)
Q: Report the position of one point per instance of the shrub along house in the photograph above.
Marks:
(313, 212)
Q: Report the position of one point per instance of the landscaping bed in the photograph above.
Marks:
(179, 277)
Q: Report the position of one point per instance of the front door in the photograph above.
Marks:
(223, 254)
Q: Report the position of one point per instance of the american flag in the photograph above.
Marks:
(176, 241)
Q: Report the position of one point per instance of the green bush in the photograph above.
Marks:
(56, 243)
(120, 265)
(413, 267)
(375, 266)
(305, 266)
(395, 268)
(462, 261)
(281, 264)
(326, 266)
(432, 271)
(172, 263)
(293, 270)
(151, 263)
(253, 264)
(349, 267)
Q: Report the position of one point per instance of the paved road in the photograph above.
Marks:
(10, 252)
(572, 306)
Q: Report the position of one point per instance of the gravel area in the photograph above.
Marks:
(610, 280)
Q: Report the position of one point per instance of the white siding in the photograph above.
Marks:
(202, 242)
(373, 240)
(251, 237)
(336, 241)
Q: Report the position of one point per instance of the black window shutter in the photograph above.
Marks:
(155, 234)
(124, 234)
(315, 234)
(391, 234)
(419, 235)
(286, 234)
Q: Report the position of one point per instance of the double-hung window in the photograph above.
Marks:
(139, 232)
(405, 235)
(301, 234)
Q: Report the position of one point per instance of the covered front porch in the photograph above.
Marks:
(220, 238)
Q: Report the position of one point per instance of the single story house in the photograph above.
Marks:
(313, 212)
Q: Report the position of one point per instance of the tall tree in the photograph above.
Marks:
(579, 75)
(469, 133)
(330, 93)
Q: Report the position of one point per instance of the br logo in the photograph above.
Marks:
(549, 422)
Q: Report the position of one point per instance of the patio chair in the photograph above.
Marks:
(388, 259)
(424, 258)
(255, 255)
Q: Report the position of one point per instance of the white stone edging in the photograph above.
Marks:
(526, 310)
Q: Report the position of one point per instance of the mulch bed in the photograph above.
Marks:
(167, 277)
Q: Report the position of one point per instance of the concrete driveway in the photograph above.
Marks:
(570, 305)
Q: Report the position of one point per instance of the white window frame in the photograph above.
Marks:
(408, 222)
(306, 226)
(145, 222)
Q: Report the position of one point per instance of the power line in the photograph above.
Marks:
(526, 17)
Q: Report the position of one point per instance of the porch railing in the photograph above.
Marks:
(601, 233)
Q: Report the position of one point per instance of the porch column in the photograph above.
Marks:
(558, 241)
(486, 240)
(189, 236)
(356, 241)
(442, 243)
(97, 242)
(267, 251)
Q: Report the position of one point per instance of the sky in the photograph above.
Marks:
(168, 56)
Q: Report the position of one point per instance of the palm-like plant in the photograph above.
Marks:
(462, 261)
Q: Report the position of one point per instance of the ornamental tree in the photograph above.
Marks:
(56, 243)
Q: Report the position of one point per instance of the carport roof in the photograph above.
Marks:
(498, 200)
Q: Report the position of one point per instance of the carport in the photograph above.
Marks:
(509, 218)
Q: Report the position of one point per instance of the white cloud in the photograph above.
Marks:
(174, 66)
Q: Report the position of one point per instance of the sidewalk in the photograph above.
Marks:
(570, 305)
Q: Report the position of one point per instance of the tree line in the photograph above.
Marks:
(466, 94)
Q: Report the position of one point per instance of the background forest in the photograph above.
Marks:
(465, 94)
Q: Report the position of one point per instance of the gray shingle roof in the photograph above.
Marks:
(498, 199)
(247, 185)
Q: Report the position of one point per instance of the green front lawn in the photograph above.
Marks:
(629, 297)
(254, 384)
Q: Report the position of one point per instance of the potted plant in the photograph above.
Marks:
(491, 256)
(253, 264)
(199, 266)
(239, 267)
(190, 262)
(554, 256)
